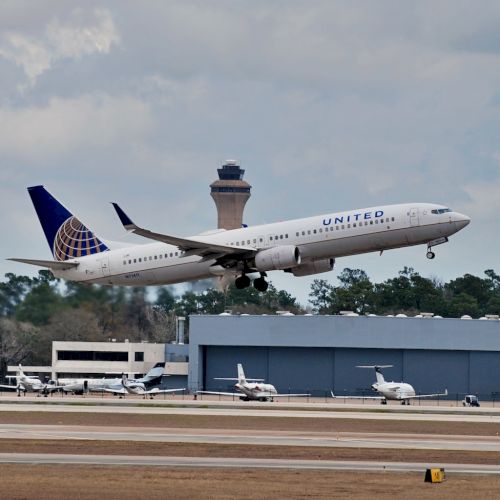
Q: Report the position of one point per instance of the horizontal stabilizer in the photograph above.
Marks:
(49, 264)
(237, 379)
(374, 366)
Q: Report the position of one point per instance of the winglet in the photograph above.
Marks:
(124, 218)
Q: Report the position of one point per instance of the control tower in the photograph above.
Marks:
(230, 194)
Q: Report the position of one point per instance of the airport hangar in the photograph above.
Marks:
(316, 354)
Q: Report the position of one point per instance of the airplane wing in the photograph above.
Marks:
(50, 388)
(9, 387)
(164, 391)
(357, 397)
(114, 391)
(237, 394)
(289, 395)
(50, 264)
(188, 245)
(445, 393)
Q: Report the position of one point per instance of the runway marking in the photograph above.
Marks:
(252, 437)
(39, 459)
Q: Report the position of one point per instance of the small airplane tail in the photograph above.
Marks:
(241, 374)
(157, 371)
(378, 371)
(378, 374)
(66, 235)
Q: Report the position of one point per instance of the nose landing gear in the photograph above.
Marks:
(439, 241)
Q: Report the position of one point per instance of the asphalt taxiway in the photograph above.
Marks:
(140, 406)
(253, 437)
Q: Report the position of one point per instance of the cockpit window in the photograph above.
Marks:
(441, 210)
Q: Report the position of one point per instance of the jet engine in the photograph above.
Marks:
(315, 267)
(282, 257)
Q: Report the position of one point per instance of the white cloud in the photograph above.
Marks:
(67, 126)
(61, 40)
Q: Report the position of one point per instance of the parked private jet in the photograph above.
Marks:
(398, 391)
(130, 386)
(81, 386)
(251, 389)
(29, 383)
(302, 246)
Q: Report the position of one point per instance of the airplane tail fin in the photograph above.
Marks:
(157, 371)
(241, 374)
(378, 374)
(66, 235)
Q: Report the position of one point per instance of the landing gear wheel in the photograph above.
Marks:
(260, 284)
(242, 282)
(430, 254)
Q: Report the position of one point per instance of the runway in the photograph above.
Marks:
(252, 437)
(36, 458)
(375, 413)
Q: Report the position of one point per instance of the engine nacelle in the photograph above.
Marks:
(282, 257)
(315, 267)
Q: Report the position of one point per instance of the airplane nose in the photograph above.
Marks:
(461, 220)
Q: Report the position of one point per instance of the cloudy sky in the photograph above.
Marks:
(328, 105)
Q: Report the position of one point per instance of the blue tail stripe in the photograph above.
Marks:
(66, 235)
(50, 212)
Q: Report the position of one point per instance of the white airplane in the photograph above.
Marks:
(252, 389)
(129, 386)
(302, 246)
(397, 391)
(30, 383)
(83, 385)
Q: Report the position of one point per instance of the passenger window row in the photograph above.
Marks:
(152, 257)
(340, 227)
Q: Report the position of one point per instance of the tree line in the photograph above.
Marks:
(36, 311)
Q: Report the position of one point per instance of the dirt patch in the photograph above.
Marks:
(90, 482)
(80, 447)
(255, 423)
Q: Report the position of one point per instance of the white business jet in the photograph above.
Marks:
(302, 247)
(130, 386)
(251, 389)
(29, 383)
(397, 391)
(83, 385)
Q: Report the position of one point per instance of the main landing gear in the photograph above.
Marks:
(439, 241)
(242, 282)
(260, 284)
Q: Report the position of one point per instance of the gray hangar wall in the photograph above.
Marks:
(319, 353)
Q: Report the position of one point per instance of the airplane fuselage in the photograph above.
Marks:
(395, 391)
(256, 391)
(317, 238)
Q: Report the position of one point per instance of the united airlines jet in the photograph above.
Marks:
(302, 246)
